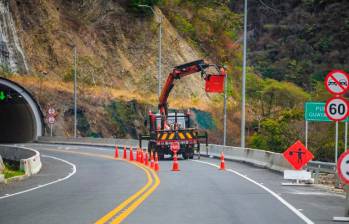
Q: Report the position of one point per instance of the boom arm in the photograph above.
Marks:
(177, 73)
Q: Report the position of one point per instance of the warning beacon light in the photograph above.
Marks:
(214, 83)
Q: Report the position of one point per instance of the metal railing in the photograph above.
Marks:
(321, 167)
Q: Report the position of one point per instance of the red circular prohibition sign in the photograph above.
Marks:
(337, 98)
(343, 177)
(337, 82)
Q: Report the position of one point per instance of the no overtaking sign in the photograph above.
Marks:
(337, 82)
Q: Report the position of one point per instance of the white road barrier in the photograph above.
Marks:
(29, 159)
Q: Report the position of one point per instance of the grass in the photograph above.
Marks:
(10, 172)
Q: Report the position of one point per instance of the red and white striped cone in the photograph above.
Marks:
(222, 166)
(131, 154)
(151, 160)
(125, 153)
(116, 155)
(156, 165)
(175, 165)
(146, 159)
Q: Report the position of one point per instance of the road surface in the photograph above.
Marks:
(81, 184)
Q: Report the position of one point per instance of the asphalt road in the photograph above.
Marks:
(199, 193)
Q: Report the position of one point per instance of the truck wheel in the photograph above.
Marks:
(185, 155)
(191, 156)
(161, 156)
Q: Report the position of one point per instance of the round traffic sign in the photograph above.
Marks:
(336, 108)
(51, 111)
(337, 82)
(343, 167)
(51, 120)
(175, 147)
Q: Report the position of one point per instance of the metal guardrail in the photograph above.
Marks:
(321, 167)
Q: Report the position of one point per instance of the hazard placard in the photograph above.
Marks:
(337, 109)
(298, 155)
(337, 82)
(343, 167)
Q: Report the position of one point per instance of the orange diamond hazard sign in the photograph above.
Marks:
(298, 155)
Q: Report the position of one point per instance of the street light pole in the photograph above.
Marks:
(160, 56)
(75, 94)
(243, 94)
(225, 111)
(160, 48)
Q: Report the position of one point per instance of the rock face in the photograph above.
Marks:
(11, 53)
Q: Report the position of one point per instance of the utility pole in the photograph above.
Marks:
(243, 94)
(75, 94)
(159, 44)
(225, 110)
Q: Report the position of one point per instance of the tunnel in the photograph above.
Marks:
(21, 119)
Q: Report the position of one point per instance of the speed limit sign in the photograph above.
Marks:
(337, 108)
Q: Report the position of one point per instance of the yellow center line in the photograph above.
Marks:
(141, 194)
(135, 204)
(113, 212)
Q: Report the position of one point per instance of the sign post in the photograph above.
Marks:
(343, 174)
(51, 118)
(337, 109)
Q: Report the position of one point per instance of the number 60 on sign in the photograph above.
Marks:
(337, 108)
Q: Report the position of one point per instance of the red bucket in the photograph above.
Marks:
(214, 84)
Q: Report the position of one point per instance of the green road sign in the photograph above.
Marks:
(2, 96)
(315, 111)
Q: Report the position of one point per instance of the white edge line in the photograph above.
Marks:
(47, 184)
(283, 201)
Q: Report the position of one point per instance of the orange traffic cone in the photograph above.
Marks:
(116, 152)
(141, 156)
(175, 166)
(151, 160)
(222, 162)
(131, 154)
(125, 154)
(156, 165)
(146, 159)
(137, 155)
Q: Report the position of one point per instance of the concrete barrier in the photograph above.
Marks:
(2, 177)
(28, 159)
(261, 158)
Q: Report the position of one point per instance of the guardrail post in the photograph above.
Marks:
(317, 172)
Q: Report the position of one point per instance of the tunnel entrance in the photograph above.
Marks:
(21, 119)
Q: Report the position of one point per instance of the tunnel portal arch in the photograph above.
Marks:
(21, 119)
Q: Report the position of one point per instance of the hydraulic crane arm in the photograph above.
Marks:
(177, 73)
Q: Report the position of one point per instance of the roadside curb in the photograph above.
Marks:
(15, 179)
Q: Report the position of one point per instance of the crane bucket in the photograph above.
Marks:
(214, 84)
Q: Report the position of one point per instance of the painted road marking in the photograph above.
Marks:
(283, 201)
(135, 204)
(45, 185)
(132, 202)
(113, 212)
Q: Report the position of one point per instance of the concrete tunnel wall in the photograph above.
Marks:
(21, 119)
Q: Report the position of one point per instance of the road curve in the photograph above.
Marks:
(199, 193)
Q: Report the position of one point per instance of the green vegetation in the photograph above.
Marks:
(5, 71)
(294, 44)
(11, 171)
